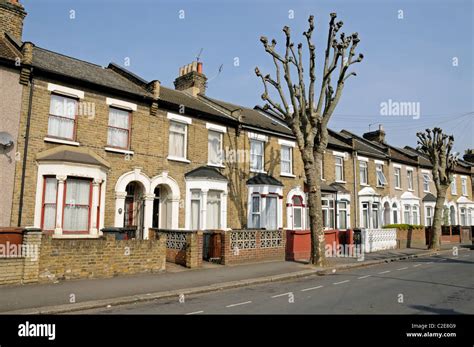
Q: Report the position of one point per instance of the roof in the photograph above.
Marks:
(63, 65)
(8, 50)
(365, 147)
(327, 188)
(253, 117)
(422, 159)
(263, 179)
(429, 198)
(73, 155)
(206, 172)
(340, 188)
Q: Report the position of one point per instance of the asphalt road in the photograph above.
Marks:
(432, 285)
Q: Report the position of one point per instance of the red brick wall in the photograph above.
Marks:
(411, 238)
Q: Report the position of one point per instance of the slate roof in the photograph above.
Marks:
(206, 172)
(423, 160)
(327, 188)
(365, 147)
(264, 179)
(429, 198)
(72, 155)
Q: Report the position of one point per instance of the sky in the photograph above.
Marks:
(417, 53)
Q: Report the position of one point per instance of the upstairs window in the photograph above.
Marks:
(177, 140)
(464, 185)
(119, 128)
(339, 163)
(381, 180)
(62, 117)
(398, 182)
(426, 182)
(286, 160)
(256, 155)
(410, 179)
(214, 148)
(454, 189)
(363, 172)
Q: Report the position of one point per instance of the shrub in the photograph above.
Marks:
(403, 226)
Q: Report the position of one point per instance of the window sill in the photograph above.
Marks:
(343, 182)
(216, 165)
(182, 160)
(411, 190)
(258, 171)
(397, 188)
(61, 141)
(426, 191)
(364, 185)
(287, 175)
(118, 150)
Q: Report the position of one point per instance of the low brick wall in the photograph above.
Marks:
(411, 238)
(241, 246)
(183, 247)
(100, 258)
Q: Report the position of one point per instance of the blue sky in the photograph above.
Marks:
(406, 60)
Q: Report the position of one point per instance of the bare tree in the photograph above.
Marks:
(437, 147)
(308, 114)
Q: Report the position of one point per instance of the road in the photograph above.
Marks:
(432, 285)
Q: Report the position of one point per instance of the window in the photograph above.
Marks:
(410, 179)
(375, 216)
(415, 214)
(339, 162)
(119, 128)
(256, 155)
(286, 160)
(365, 214)
(77, 205)
(363, 172)
(469, 216)
(213, 210)
(62, 117)
(462, 212)
(398, 182)
(271, 212)
(177, 144)
(426, 182)
(256, 211)
(195, 209)
(321, 164)
(328, 211)
(342, 215)
(429, 216)
(381, 180)
(297, 212)
(395, 213)
(454, 190)
(407, 214)
(464, 185)
(214, 148)
(49, 203)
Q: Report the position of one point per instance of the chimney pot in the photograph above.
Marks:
(191, 79)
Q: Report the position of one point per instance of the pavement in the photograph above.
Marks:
(89, 294)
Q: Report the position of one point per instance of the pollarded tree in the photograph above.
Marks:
(437, 146)
(308, 114)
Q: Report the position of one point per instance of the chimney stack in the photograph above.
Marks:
(12, 15)
(377, 135)
(469, 155)
(191, 79)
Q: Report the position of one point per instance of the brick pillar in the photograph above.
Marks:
(193, 249)
(32, 248)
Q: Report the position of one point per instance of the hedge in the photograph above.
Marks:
(404, 226)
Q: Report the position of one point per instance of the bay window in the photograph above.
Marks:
(257, 148)
(62, 117)
(213, 210)
(429, 216)
(49, 204)
(365, 215)
(77, 205)
(271, 212)
(463, 216)
(375, 215)
(177, 140)
(118, 134)
(395, 213)
(256, 212)
(407, 214)
(415, 214)
(195, 209)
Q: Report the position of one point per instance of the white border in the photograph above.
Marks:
(121, 104)
(286, 143)
(215, 127)
(178, 118)
(65, 90)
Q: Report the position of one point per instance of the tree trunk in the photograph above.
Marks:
(313, 180)
(435, 232)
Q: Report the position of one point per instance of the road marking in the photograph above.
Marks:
(240, 303)
(430, 262)
(361, 278)
(384, 272)
(306, 289)
(443, 259)
(284, 294)
(197, 312)
(416, 265)
(403, 268)
(342, 282)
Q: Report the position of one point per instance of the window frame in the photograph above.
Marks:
(43, 202)
(267, 197)
(89, 206)
(300, 207)
(426, 182)
(262, 143)
(185, 145)
(454, 188)
(363, 168)
(464, 191)
(398, 177)
(199, 199)
(129, 130)
(74, 130)
(221, 145)
(290, 160)
(410, 181)
(259, 212)
(340, 166)
(379, 170)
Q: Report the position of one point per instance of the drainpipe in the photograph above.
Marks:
(356, 197)
(25, 150)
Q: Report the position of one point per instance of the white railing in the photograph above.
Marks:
(379, 239)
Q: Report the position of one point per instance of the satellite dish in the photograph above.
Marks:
(6, 142)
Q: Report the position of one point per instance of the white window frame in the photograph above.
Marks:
(410, 181)
(426, 182)
(340, 166)
(464, 186)
(398, 177)
(364, 168)
(173, 157)
(454, 188)
(262, 143)
(283, 173)
(259, 212)
(221, 142)
(380, 177)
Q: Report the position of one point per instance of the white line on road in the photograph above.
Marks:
(284, 294)
(342, 282)
(312, 288)
(384, 272)
(197, 312)
(361, 278)
(240, 303)
(416, 265)
(402, 268)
